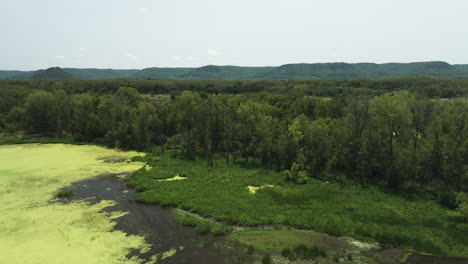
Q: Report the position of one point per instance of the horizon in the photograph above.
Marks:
(142, 34)
(195, 67)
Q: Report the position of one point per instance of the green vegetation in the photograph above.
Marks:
(6, 139)
(266, 259)
(11, 74)
(52, 73)
(375, 159)
(337, 209)
(162, 73)
(203, 226)
(100, 73)
(278, 240)
(288, 71)
(302, 251)
(428, 87)
(463, 68)
(64, 194)
(401, 140)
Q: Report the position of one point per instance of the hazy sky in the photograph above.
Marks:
(168, 33)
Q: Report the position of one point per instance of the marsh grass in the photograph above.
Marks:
(64, 194)
(303, 252)
(203, 226)
(221, 192)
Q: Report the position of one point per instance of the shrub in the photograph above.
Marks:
(296, 174)
(203, 227)
(462, 202)
(303, 252)
(219, 230)
(266, 259)
(64, 194)
(315, 251)
(187, 220)
(288, 253)
(447, 199)
(250, 250)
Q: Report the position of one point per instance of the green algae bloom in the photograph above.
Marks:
(175, 178)
(169, 253)
(34, 230)
(253, 189)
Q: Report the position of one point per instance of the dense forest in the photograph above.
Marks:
(425, 86)
(404, 134)
(298, 71)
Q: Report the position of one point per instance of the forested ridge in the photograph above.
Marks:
(287, 71)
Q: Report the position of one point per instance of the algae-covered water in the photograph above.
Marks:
(35, 230)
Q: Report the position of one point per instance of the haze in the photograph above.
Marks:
(143, 33)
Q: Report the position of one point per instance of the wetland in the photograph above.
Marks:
(102, 220)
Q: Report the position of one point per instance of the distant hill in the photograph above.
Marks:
(463, 68)
(307, 71)
(205, 72)
(101, 73)
(433, 68)
(12, 74)
(227, 72)
(52, 73)
(287, 71)
(313, 71)
(162, 73)
(69, 73)
(370, 70)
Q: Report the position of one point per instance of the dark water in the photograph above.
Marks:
(153, 222)
(424, 259)
(157, 225)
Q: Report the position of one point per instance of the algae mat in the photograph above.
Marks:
(34, 230)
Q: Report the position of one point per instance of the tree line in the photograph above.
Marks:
(424, 86)
(400, 139)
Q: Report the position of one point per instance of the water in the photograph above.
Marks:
(153, 222)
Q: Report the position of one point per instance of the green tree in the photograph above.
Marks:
(146, 126)
(64, 112)
(391, 130)
(40, 112)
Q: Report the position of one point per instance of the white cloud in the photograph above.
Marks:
(60, 57)
(213, 52)
(131, 56)
(81, 52)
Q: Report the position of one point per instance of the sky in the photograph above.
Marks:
(136, 34)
